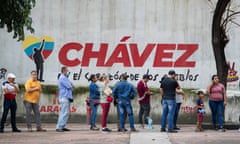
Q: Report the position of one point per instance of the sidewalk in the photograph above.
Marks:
(80, 134)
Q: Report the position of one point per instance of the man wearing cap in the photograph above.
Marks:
(124, 92)
(168, 91)
(10, 88)
(144, 100)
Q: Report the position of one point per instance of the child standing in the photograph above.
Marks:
(200, 111)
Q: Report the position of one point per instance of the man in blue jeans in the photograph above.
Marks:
(65, 98)
(168, 92)
(124, 92)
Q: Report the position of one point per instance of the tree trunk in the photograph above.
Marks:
(219, 40)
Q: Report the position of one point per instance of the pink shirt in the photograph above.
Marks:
(216, 92)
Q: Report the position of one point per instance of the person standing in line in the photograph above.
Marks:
(10, 88)
(144, 100)
(217, 102)
(105, 91)
(65, 98)
(124, 92)
(179, 99)
(31, 101)
(115, 102)
(168, 91)
(200, 111)
(94, 100)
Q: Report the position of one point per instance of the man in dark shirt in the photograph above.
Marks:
(168, 92)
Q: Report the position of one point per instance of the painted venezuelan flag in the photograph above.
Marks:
(31, 42)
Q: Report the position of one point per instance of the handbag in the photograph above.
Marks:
(109, 99)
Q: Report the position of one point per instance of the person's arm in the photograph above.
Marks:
(208, 89)
(66, 83)
(31, 89)
(161, 91)
(224, 96)
(42, 45)
(16, 89)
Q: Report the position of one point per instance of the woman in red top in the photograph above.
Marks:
(217, 101)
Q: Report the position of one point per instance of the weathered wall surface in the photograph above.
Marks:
(116, 36)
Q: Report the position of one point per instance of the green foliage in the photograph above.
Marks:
(15, 15)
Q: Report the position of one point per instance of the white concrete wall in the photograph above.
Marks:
(108, 21)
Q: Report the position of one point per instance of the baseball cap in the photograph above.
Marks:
(11, 75)
(172, 72)
(146, 76)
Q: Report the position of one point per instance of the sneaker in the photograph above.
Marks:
(66, 129)
(172, 131)
(197, 130)
(94, 128)
(29, 129)
(41, 130)
(16, 130)
(133, 130)
(176, 128)
(222, 130)
(106, 130)
(122, 130)
(201, 129)
(59, 130)
(163, 130)
(141, 126)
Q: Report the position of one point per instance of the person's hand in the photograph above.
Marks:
(225, 103)
(37, 88)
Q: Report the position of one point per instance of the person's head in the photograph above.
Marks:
(163, 78)
(200, 94)
(104, 78)
(34, 75)
(64, 70)
(123, 76)
(171, 73)
(146, 77)
(11, 77)
(215, 79)
(93, 78)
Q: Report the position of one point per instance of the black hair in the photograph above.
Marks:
(200, 92)
(213, 76)
(91, 77)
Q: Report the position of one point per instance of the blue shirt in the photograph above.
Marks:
(65, 87)
(124, 90)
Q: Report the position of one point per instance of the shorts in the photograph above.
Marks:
(200, 117)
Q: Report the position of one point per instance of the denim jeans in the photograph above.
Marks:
(144, 113)
(9, 104)
(35, 108)
(168, 107)
(64, 113)
(178, 106)
(122, 106)
(94, 108)
(217, 109)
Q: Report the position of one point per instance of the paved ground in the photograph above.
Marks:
(81, 134)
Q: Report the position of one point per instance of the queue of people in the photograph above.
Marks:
(123, 92)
